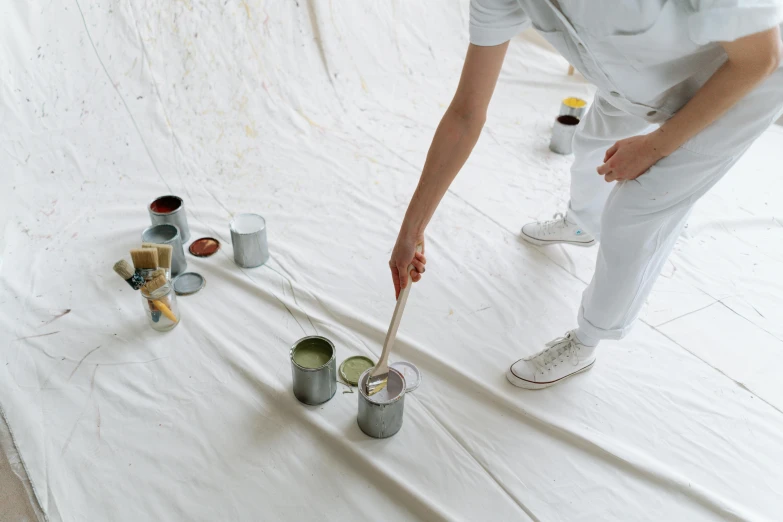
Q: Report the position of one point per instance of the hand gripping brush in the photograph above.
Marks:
(379, 375)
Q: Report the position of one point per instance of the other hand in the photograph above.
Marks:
(404, 255)
(630, 158)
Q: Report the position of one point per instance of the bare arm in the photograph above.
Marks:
(454, 140)
(750, 60)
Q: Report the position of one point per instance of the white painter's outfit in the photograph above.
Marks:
(647, 59)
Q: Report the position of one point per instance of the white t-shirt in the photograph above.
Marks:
(647, 57)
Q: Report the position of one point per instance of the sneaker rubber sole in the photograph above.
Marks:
(530, 385)
(545, 242)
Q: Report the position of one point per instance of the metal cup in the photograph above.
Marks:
(381, 419)
(314, 385)
(168, 235)
(563, 134)
(573, 107)
(248, 237)
(170, 210)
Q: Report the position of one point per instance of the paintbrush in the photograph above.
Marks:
(379, 375)
(145, 260)
(150, 287)
(164, 255)
(125, 271)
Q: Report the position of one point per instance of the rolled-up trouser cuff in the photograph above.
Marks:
(600, 333)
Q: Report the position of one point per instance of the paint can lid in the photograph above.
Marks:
(353, 367)
(410, 372)
(188, 283)
(204, 247)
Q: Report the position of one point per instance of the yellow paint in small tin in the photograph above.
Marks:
(574, 103)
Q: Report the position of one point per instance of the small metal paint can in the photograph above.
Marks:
(563, 134)
(572, 106)
(381, 417)
(317, 385)
(248, 237)
(167, 234)
(170, 210)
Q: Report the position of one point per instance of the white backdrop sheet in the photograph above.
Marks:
(318, 116)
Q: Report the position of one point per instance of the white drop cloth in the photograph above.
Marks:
(318, 115)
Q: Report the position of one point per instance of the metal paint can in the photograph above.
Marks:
(248, 237)
(314, 385)
(563, 134)
(170, 210)
(382, 418)
(167, 234)
(573, 107)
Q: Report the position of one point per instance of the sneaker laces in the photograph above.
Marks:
(557, 221)
(562, 347)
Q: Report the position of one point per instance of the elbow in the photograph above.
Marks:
(757, 55)
(771, 59)
(777, 57)
(768, 61)
(469, 115)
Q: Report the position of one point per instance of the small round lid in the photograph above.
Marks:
(353, 367)
(188, 283)
(204, 247)
(410, 372)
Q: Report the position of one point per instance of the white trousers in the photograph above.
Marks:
(637, 222)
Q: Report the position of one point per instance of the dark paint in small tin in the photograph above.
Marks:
(166, 204)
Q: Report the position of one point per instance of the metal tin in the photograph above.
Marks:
(170, 210)
(248, 237)
(563, 134)
(188, 283)
(573, 107)
(168, 235)
(314, 385)
(382, 418)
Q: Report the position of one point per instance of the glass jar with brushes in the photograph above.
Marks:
(160, 304)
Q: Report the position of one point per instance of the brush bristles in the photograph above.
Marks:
(164, 253)
(123, 269)
(156, 283)
(144, 258)
(164, 256)
(158, 272)
(373, 388)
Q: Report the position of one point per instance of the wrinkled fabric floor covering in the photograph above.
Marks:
(318, 116)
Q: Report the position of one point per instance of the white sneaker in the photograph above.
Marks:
(557, 230)
(561, 359)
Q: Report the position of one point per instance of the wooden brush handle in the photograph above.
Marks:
(391, 334)
(166, 310)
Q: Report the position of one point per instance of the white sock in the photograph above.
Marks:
(585, 339)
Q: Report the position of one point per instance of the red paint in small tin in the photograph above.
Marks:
(166, 204)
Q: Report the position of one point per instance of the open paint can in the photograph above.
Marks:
(167, 234)
(573, 106)
(314, 369)
(380, 415)
(170, 210)
(563, 134)
(248, 237)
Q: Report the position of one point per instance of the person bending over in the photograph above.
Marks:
(683, 89)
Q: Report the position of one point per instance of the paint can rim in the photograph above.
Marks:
(385, 403)
(180, 207)
(309, 338)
